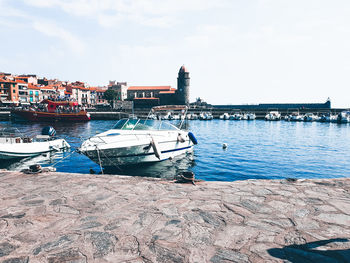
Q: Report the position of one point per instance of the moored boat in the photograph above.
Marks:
(14, 145)
(136, 141)
(49, 110)
(224, 116)
(273, 116)
(344, 117)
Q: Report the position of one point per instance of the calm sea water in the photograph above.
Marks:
(256, 149)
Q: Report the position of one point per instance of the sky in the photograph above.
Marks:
(237, 51)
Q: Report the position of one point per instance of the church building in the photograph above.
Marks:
(148, 96)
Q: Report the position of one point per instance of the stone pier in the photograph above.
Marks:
(60, 217)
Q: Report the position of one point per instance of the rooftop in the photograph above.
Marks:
(150, 88)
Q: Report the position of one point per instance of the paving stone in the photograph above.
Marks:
(16, 260)
(60, 217)
(6, 249)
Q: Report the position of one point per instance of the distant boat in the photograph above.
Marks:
(249, 116)
(273, 116)
(236, 116)
(344, 117)
(224, 116)
(52, 111)
(294, 116)
(205, 116)
(328, 117)
(310, 117)
(14, 145)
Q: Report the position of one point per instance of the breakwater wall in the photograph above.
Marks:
(142, 113)
(61, 217)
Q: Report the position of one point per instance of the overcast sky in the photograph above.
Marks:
(237, 51)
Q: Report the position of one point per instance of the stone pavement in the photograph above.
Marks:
(59, 217)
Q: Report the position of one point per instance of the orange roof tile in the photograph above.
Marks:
(31, 86)
(149, 88)
(21, 81)
(152, 98)
(167, 92)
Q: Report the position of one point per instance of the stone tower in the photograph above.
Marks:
(183, 86)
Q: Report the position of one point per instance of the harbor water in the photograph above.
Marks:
(256, 150)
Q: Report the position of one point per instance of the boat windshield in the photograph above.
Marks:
(10, 132)
(137, 124)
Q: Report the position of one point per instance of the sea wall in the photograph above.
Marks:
(61, 217)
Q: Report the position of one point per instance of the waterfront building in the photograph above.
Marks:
(8, 91)
(148, 96)
(34, 93)
(22, 91)
(120, 88)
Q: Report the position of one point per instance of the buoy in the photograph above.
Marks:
(192, 138)
(155, 147)
(224, 146)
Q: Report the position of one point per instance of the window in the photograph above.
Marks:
(14, 91)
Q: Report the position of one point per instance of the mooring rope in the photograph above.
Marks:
(99, 159)
(64, 158)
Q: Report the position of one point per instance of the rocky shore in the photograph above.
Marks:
(60, 217)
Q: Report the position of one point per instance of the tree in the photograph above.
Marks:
(110, 95)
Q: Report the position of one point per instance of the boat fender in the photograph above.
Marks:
(48, 130)
(192, 138)
(155, 147)
(180, 138)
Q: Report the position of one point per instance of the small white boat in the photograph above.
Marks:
(249, 116)
(310, 117)
(13, 145)
(328, 117)
(344, 117)
(294, 116)
(205, 116)
(225, 116)
(273, 116)
(236, 116)
(138, 141)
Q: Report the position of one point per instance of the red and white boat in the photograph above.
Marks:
(49, 110)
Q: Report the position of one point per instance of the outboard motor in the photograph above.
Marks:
(48, 130)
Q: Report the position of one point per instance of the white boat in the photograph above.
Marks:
(344, 117)
(249, 116)
(13, 145)
(273, 116)
(224, 116)
(205, 116)
(294, 116)
(138, 141)
(309, 117)
(236, 116)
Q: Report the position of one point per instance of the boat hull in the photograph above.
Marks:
(50, 116)
(10, 151)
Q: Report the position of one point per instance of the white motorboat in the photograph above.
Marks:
(294, 116)
(328, 117)
(344, 117)
(138, 141)
(224, 116)
(236, 116)
(273, 116)
(13, 145)
(205, 116)
(309, 117)
(249, 116)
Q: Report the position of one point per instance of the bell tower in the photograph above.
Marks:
(183, 86)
